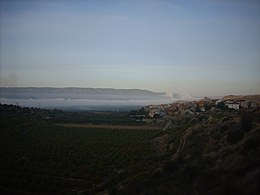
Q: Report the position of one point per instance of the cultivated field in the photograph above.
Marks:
(125, 127)
(65, 159)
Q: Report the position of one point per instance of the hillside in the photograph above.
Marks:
(212, 153)
(255, 98)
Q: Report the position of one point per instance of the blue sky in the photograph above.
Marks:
(202, 47)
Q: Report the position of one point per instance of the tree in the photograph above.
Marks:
(221, 106)
(234, 136)
(246, 120)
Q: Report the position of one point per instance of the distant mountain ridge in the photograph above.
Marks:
(78, 93)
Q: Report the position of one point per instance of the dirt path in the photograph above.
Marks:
(168, 124)
(182, 144)
(127, 127)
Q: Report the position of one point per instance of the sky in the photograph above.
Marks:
(198, 47)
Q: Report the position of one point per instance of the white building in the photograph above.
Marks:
(234, 106)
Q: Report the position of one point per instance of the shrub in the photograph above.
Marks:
(234, 136)
(251, 144)
(170, 166)
(246, 120)
(193, 121)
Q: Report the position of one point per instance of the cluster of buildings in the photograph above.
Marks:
(193, 107)
(241, 104)
(163, 110)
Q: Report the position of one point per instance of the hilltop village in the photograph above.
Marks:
(231, 102)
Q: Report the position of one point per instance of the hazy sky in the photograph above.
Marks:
(200, 47)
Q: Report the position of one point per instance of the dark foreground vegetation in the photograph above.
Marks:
(210, 153)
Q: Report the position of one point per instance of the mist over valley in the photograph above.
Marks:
(85, 98)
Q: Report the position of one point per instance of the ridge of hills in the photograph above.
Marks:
(79, 90)
(78, 93)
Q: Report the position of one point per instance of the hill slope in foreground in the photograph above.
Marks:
(208, 153)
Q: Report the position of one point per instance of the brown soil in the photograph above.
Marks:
(128, 127)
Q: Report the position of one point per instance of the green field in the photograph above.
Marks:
(57, 159)
(38, 157)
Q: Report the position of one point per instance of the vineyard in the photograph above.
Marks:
(38, 157)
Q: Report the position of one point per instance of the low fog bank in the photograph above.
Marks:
(86, 98)
(82, 104)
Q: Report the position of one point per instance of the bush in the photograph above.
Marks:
(246, 120)
(251, 144)
(222, 106)
(235, 136)
(170, 166)
(193, 121)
